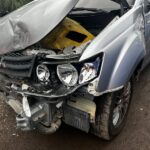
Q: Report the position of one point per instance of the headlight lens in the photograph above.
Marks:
(89, 71)
(67, 74)
(43, 73)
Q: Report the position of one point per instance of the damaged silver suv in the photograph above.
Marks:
(73, 61)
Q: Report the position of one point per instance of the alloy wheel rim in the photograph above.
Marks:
(121, 105)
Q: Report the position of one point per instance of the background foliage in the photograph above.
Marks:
(7, 6)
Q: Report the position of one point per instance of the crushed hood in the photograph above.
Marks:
(29, 24)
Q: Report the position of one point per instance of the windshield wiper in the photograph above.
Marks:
(88, 9)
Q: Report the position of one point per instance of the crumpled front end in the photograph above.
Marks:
(47, 83)
(44, 88)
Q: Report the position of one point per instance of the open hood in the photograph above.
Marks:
(29, 24)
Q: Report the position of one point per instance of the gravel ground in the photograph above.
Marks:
(135, 136)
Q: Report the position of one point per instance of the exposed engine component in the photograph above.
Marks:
(80, 112)
(68, 33)
(15, 105)
(75, 50)
(38, 115)
(39, 51)
(52, 129)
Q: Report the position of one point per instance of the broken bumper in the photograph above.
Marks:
(59, 93)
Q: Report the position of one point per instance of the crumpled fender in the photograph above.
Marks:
(129, 58)
(116, 73)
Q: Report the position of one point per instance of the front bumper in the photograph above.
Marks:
(76, 109)
(59, 93)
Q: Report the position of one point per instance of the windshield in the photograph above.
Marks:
(106, 5)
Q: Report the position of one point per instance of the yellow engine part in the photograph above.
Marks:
(68, 33)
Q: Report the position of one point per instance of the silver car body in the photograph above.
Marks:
(123, 46)
(122, 43)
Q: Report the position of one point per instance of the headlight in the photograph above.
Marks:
(67, 74)
(89, 71)
(43, 73)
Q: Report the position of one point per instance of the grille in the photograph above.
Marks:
(17, 64)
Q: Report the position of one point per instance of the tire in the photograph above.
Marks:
(108, 123)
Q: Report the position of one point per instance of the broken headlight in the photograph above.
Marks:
(43, 73)
(67, 74)
(89, 71)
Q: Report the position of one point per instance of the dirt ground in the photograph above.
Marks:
(135, 136)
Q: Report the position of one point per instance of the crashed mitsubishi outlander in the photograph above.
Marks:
(73, 62)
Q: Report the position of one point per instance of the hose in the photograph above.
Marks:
(49, 130)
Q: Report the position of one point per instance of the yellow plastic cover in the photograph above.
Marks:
(68, 33)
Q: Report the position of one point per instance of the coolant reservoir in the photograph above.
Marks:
(68, 33)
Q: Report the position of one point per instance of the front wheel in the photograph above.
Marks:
(111, 115)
